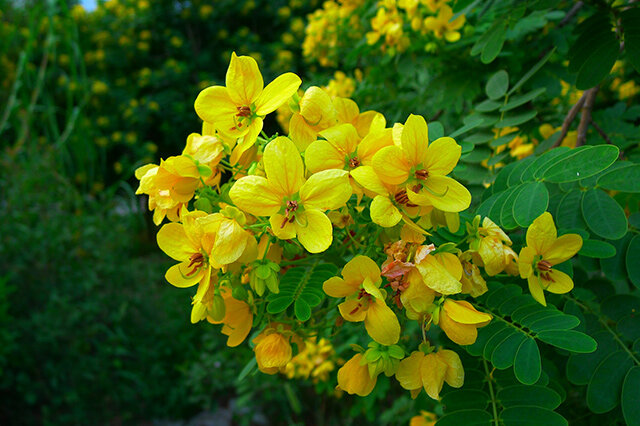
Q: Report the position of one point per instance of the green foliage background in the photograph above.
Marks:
(89, 331)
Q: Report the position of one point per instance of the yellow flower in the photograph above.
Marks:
(492, 246)
(364, 299)
(421, 168)
(460, 321)
(238, 109)
(424, 419)
(313, 113)
(314, 361)
(354, 377)
(472, 281)
(441, 272)
(543, 251)
(273, 351)
(296, 206)
(207, 150)
(170, 185)
(237, 320)
(441, 25)
(430, 371)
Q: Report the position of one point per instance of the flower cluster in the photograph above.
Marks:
(342, 187)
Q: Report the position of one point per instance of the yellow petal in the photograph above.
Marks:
(455, 372)
(243, 80)
(177, 275)
(326, 190)
(535, 287)
(314, 230)
(369, 121)
(492, 253)
(451, 263)
(231, 240)
(381, 323)
(237, 321)
(408, 373)
(282, 227)
(415, 139)
(371, 287)
(383, 212)
(317, 108)
(525, 262)
(214, 105)
(256, 196)
(358, 269)
(451, 196)
(337, 287)
(442, 156)
(343, 137)
(301, 133)
(250, 136)
(563, 249)
(367, 177)
(391, 165)
(560, 282)
(321, 155)
(463, 312)
(437, 277)
(283, 165)
(462, 334)
(277, 93)
(172, 239)
(354, 378)
(352, 310)
(372, 143)
(346, 110)
(542, 233)
(433, 372)
(452, 36)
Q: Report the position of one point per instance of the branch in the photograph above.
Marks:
(570, 14)
(585, 118)
(601, 132)
(569, 118)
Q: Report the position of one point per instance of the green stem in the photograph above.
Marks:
(491, 393)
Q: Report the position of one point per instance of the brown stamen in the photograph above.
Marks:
(422, 174)
(354, 162)
(292, 206)
(243, 111)
(547, 277)
(401, 197)
(544, 265)
(197, 260)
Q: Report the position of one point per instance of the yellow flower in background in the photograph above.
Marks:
(354, 377)
(364, 299)
(460, 321)
(430, 372)
(315, 361)
(313, 113)
(296, 206)
(442, 26)
(421, 168)
(424, 419)
(238, 108)
(273, 350)
(543, 251)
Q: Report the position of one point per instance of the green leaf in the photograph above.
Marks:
(516, 120)
(538, 396)
(603, 392)
(570, 340)
(631, 24)
(581, 163)
(560, 322)
(614, 267)
(504, 354)
(468, 126)
(624, 179)
(488, 106)
(497, 85)
(580, 367)
(507, 220)
(633, 265)
(527, 366)
(279, 304)
(465, 399)
(546, 160)
(466, 417)
(534, 416)
(516, 101)
(631, 396)
(494, 45)
(603, 215)
(436, 130)
(503, 140)
(619, 306)
(597, 249)
(515, 177)
(302, 310)
(569, 212)
(599, 63)
(534, 69)
(530, 203)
